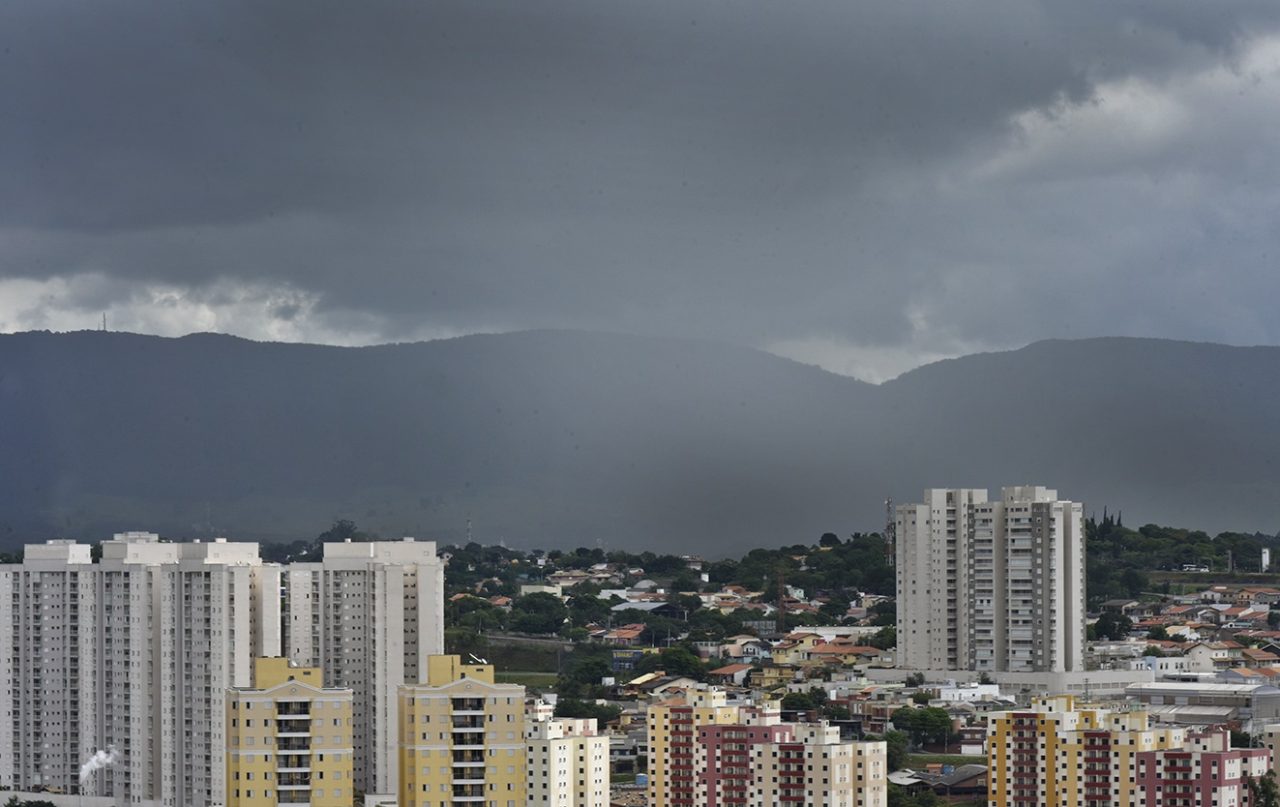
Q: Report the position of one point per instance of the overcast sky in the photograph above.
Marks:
(862, 185)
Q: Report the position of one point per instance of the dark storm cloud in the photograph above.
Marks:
(872, 174)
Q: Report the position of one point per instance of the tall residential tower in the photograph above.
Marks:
(137, 651)
(369, 615)
(991, 586)
(134, 652)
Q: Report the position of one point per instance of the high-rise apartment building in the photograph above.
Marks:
(177, 628)
(1205, 772)
(369, 615)
(288, 739)
(1055, 754)
(461, 738)
(991, 586)
(703, 751)
(134, 652)
(567, 763)
(815, 766)
(48, 649)
(726, 758)
(672, 729)
(137, 651)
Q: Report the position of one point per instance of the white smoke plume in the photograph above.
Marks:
(100, 759)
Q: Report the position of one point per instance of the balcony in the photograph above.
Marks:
(293, 743)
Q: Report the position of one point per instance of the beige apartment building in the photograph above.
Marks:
(289, 739)
(568, 763)
(462, 738)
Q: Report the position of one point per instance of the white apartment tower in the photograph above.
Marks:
(568, 763)
(991, 586)
(47, 722)
(135, 653)
(369, 615)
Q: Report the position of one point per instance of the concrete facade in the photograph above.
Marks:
(137, 651)
(991, 586)
(461, 738)
(288, 739)
(568, 763)
(134, 653)
(1060, 754)
(369, 615)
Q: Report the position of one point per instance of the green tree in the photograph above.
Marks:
(886, 638)
(344, 530)
(924, 724)
(677, 660)
(1263, 791)
(574, 708)
(538, 613)
(689, 604)
(896, 743)
(586, 608)
(582, 670)
(1111, 625)
(797, 702)
(686, 580)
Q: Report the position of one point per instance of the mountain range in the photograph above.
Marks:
(557, 438)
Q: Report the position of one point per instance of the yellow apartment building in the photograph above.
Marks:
(462, 738)
(1059, 754)
(288, 739)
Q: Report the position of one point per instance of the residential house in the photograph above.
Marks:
(1213, 656)
(770, 676)
(794, 648)
(730, 674)
(624, 636)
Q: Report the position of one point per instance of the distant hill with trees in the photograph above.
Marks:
(559, 439)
